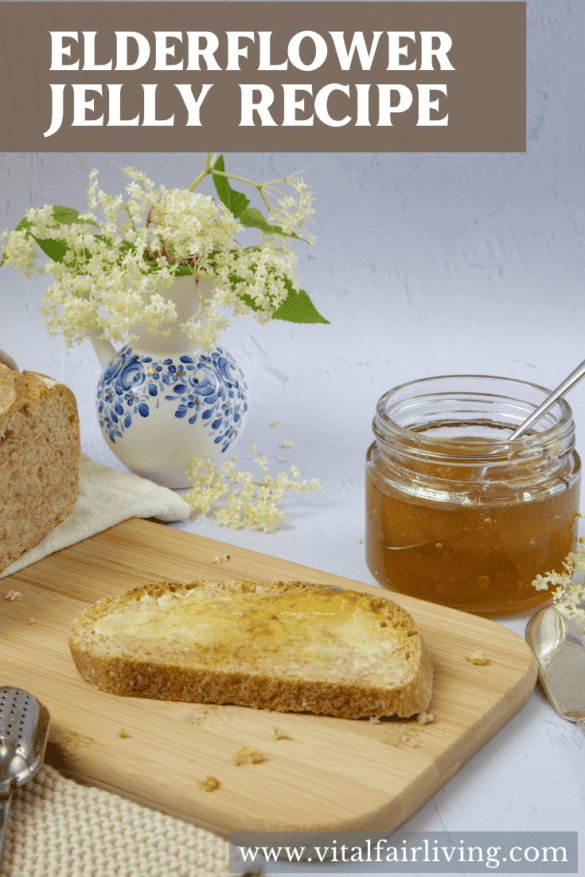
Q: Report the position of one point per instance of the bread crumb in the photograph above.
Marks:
(123, 733)
(280, 735)
(477, 658)
(375, 720)
(222, 559)
(400, 738)
(209, 783)
(425, 718)
(275, 423)
(248, 755)
(12, 595)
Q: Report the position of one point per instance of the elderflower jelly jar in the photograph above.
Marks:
(458, 514)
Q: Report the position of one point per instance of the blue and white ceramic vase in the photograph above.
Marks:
(160, 403)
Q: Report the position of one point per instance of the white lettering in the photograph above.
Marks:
(291, 105)
(164, 50)
(358, 44)
(294, 47)
(363, 108)
(207, 52)
(56, 109)
(150, 118)
(193, 105)
(265, 60)
(115, 109)
(425, 105)
(89, 53)
(59, 51)
(427, 53)
(235, 51)
(122, 38)
(395, 50)
(386, 108)
(322, 109)
(249, 107)
(81, 105)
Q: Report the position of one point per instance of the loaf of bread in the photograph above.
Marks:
(286, 646)
(39, 459)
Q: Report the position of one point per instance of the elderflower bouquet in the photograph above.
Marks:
(112, 265)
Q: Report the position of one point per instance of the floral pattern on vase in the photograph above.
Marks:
(158, 411)
(204, 387)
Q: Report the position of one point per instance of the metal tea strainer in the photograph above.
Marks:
(24, 726)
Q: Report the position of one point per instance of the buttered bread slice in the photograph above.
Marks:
(287, 646)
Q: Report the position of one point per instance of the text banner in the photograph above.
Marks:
(283, 77)
(408, 852)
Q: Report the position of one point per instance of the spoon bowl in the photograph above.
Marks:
(558, 644)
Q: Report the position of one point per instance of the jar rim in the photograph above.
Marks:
(553, 426)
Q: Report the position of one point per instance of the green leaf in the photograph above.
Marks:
(54, 249)
(235, 202)
(297, 307)
(183, 270)
(253, 218)
(67, 216)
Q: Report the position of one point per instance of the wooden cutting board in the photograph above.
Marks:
(319, 772)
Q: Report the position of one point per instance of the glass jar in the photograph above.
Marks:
(458, 514)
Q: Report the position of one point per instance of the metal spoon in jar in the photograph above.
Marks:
(550, 400)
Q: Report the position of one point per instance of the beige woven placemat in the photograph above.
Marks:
(60, 828)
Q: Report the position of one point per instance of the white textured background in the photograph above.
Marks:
(424, 264)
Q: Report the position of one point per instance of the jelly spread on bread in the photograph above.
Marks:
(305, 629)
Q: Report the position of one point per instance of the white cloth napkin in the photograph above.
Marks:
(106, 497)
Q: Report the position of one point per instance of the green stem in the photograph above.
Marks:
(206, 170)
(264, 198)
(239, 179)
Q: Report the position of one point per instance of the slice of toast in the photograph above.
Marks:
(286, 646)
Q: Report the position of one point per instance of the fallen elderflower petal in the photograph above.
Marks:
(248, 503)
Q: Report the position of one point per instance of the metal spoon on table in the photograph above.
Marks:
(550, 400)
(558, 644)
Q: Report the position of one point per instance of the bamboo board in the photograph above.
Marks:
(319, 772)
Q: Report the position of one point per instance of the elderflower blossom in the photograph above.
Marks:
(248, 503)
(112, 266)
(569, 596)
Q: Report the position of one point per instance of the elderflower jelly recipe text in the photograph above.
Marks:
(334, 104)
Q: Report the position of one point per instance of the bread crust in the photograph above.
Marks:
(127, 670)
(39, 459)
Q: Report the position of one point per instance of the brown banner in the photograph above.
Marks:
(261, 76)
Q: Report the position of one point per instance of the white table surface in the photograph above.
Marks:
(530, 775)
(424, 265)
